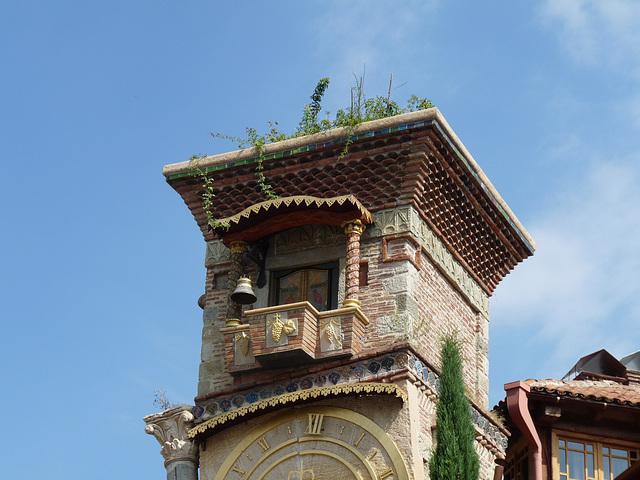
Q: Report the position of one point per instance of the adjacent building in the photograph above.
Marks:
(583, 427)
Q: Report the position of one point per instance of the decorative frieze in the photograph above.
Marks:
(406, 219)
(304, 238)
(357, 373)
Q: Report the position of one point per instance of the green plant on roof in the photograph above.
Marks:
(360, 110)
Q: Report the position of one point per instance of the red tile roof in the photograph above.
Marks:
(418, 167)
(599, 390)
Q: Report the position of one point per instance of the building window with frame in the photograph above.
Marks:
(517, 467)
(588, 459)
(317, 284)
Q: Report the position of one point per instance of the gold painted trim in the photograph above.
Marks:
(282, 308)
(344, 310)
(302, 395)
(386, 442)
(235, 329)
(298, 200)
(354, 472)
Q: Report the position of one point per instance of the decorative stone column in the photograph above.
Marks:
(353, 229)
(180, 453)
(234, 310)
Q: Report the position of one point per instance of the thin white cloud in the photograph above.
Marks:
(581, 289)
(597, 33)
(376, 34)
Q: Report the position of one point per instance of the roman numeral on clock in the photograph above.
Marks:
(263, 443)
(315, 424)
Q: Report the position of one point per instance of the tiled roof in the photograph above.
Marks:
(417, 165)
(599, 390)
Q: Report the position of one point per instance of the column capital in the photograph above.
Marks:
(170, 429)
(353, 226)
(238, 246)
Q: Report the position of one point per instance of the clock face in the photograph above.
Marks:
(315, 443)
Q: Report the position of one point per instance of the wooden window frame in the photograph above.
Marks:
(598, 443)
(334, 276)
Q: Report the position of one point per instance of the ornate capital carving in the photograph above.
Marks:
(353, 226)
(171, 429)
(238, 247)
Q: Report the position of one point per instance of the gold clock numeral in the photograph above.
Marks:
(361, 437)
(263, 443)
(385, 474)
(342, 430)
(236, 469)
(315, 424)
(289, 429)
(249, 457)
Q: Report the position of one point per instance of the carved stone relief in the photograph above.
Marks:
(311, 236)
(278, 329)
(170, 429)
(331, 335)
(242, 349)
(406, 219)
(216, 254)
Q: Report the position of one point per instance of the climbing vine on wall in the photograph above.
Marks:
(360, 110)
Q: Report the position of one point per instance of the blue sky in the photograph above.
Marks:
(102, 263)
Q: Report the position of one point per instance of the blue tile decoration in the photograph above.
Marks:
(374, 367)
(225, 405)
(387, 363)
(360, 371)
(367, 369)
(198, 411)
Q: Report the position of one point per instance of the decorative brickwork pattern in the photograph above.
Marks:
(419, 167)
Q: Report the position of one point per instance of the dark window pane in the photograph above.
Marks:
(606, 468)
(318, 288)
(563, 461)
(291, 288)
(590, 465)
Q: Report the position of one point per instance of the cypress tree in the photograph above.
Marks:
(455, 457)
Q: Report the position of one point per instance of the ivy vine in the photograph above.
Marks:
(361, 110)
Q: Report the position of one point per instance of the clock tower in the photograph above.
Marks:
(325, 303)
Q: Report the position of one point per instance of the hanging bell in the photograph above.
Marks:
(243, 294)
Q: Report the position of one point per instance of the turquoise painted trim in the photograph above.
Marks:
(306, 148)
